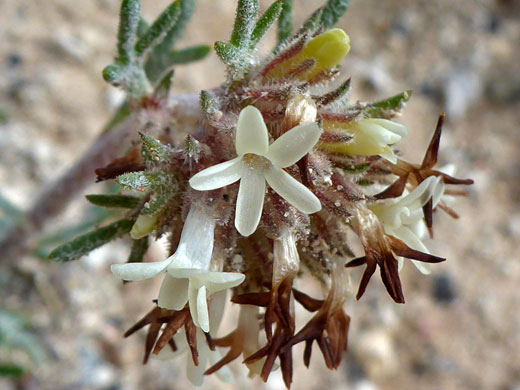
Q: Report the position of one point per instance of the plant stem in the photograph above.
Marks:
(110, 144)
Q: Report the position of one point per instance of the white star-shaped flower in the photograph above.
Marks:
(258, 162)
(403, 218)
(188, 277)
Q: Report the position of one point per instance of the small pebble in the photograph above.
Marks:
(444, 290)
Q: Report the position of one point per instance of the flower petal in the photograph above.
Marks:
(292, 190)
(294, 144)
(196, 244)
(173, 294)
(424, 268)
(217, 307)
(202, 310)
(193, 292)
(438, 191)
(392, 126)
(218, 281)
(250, 201)
(421, 193)
(217, 176)
(140, 271)
(377, 133)
(388, 154)
(251, 136)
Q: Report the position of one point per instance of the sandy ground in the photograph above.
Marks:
(460, 328)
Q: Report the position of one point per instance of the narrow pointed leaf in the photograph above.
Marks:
(158, 29)
(333, 11)
(334, 95)
(142, 181)
(227, 53)
(115, 74)
(139, 248)
(247, 11)
(156, 203)
(264, 22)
(163, 86)
(84, 244)
(387, 108)
(128, 27)
(154, 148)
(190, 54)
(114, 201)
(208, 102)
(11, 370)
(186, 11)
(142, 27)
(285, 21)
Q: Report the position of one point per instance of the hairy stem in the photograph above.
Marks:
(109, 145)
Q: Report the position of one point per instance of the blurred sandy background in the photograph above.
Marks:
(460, 328)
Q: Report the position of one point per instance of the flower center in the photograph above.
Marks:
(254, 161)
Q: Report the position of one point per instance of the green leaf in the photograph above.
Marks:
(247, 11)
(128, 25)
(92, 218)
(158, 29)
(85, 243)
(334, 95)
(115, 74)
(143, 180)
(11, 370)
(333, 11)
(162, 89)
(208, 102)
(187, 55)
(191, 148)
(264, 22)
(387, 108)
(187, 8)
(139, 248)
(142, 28)
(129, 76)
(157, 201)
(153, 149)
(228, 53)
(114, 201)
(285, 21)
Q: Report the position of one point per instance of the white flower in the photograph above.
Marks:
(438, 191)
(188, 275)
(403, 218)
(258, 162)
(370, 137)
(206, 356)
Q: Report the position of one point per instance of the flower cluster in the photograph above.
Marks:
(277, 175)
